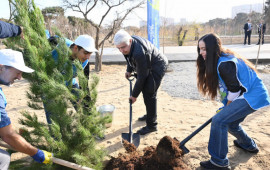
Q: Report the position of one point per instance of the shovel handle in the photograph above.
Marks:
(130, 112)
(183, 142)
(54, 160)
(131, 79)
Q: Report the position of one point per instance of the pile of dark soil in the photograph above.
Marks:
(166, 155)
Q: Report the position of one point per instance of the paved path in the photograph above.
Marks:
(189, 53)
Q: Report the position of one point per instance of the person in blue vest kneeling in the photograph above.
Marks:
(11, 68)
(242, 93)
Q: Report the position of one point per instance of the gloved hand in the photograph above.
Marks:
(43, 156)
(219, 109)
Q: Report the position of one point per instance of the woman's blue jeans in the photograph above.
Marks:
(228, 120)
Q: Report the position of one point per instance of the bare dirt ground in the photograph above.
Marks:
(177, 117)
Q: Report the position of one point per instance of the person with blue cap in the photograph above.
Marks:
(11, 67)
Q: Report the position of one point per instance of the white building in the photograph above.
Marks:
(183, 21)
(247, 9)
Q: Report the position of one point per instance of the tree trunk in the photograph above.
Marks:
(178, 35)
(98, 62)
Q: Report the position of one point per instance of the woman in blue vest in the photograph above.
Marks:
(242, 93)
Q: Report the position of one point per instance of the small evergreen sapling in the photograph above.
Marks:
(72, 134)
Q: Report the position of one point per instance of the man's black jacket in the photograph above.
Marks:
(137, 61)
(246, 27)
(263, 28)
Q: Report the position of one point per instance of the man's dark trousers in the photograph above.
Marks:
(150, 101)
(261, 37)
(247, 35)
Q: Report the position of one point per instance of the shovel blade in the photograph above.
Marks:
(135, 138)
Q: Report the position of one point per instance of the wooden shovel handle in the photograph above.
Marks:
(54, 160)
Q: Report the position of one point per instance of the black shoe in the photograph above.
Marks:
(249, 44)
(142, 118)
(255, 150)
(209, 165)
(146, 129)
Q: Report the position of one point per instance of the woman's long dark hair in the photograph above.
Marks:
(207, 77)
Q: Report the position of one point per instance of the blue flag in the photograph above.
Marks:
(153, 21)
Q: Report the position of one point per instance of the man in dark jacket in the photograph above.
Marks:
(261, 31)
(248, 29)
(150, 65)
(10, 30)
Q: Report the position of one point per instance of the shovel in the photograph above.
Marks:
(183, 142)
(133, 138)
(54, 160)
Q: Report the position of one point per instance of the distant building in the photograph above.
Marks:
(183, 21)
(247, 9)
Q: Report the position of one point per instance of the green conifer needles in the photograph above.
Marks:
(73, 132)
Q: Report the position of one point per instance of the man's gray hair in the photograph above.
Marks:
(122, 37)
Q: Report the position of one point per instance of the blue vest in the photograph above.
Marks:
(84, 63)
(55, 57)
(256, 93)
(5, 100)
(2, 94)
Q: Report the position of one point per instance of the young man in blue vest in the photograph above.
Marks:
(11, 68)
(81, 49)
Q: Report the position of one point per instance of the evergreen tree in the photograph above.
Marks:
(72, 134)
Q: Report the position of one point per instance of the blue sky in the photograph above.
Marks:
(192, 10)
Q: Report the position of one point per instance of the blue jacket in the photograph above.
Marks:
(4, 119)
(9, 30)
(255, 93)
(84, 64)
(55, 57)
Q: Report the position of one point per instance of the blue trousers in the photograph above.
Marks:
(228, 120)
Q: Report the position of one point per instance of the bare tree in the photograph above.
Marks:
(85, 7)
(11, 11)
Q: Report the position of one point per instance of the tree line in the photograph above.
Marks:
(177, 34)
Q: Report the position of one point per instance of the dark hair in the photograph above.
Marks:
(207, 77)
(79, 47)
(53, 40)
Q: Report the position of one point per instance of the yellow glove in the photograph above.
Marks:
(48, 157)
(43, 157)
